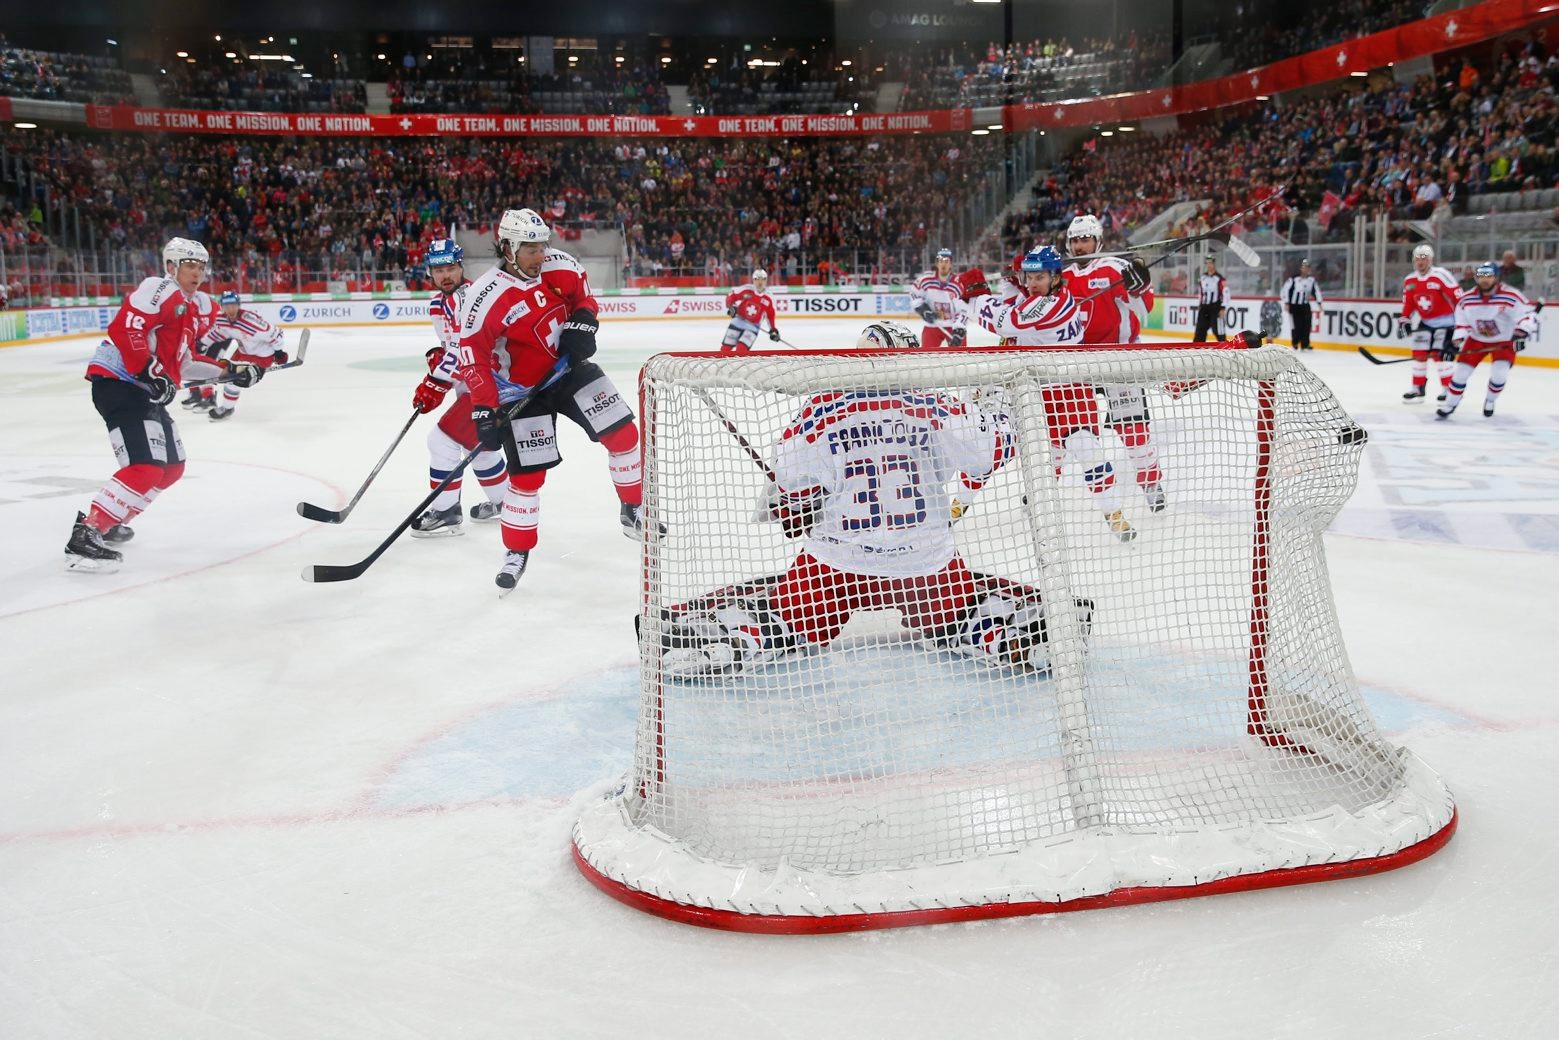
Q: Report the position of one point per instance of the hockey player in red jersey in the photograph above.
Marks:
(533, 308)
(1428, 295)
(255, 342)
(861, 477)
(135, 372)
(749, 306)
(1043, 314)
(455, 434)
(1493, 320)
(207, 311)
(1115, 296)
(939, 300)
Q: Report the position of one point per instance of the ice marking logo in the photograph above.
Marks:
(288, 313)
(381, 311)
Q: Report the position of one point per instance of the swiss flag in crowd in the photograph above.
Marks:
(1331, 202)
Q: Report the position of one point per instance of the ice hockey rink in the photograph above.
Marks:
(242, 806)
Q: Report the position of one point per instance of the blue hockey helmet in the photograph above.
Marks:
(944, 254)
(228, 296)
(442, 252)
(1487, 267)
(1042, 259)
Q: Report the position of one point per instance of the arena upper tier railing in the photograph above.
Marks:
(1418, 39)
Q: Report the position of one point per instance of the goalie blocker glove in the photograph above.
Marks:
(577, 337)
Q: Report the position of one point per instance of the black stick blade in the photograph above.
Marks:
(310, 511)
(325, 572)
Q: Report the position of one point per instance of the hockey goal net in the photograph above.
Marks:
(1182, 719)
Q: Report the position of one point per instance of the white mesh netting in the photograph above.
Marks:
(1187, 714)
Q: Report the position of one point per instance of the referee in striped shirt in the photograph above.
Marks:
(1214, 298)
(1299, 292)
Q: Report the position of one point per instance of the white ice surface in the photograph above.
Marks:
(237, 805)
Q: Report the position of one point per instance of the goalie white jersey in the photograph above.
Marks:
(876, 465)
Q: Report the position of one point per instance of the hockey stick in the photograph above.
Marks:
(730, 427)
(303, 349)
(323, 572)
(309, 511)
(1372, 359)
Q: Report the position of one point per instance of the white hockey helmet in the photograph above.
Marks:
(178, 250)
(760, 273)
(887, 335)
(520, 226)
(1423, 251)
(1085, 226)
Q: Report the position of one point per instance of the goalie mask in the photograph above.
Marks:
(887, 335)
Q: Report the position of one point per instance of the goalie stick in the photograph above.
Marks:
(310, 511)
(325, 572)
(303, 349)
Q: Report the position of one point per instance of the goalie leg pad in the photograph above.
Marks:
(724, 639)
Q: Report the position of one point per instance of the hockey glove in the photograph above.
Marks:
(485, 417)
(430, 394)
(158, 385)
(1449, 351)
(434, 356)
(1404, 330)
(244, 375)
(1518, 341)
(730, 311)
(577, 339)
(926, 313)
(957, 337)
(1136, 275)
(774, 334)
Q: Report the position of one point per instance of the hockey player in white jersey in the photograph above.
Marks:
(1044, 313)
(254, 341)
(939, 300)
(1493, 320)
(862, 478)
(455, 434)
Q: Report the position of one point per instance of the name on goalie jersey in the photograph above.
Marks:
(869, 434)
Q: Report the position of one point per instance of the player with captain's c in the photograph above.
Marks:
(529, 311)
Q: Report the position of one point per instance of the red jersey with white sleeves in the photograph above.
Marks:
(1031, 320)
(1114, 314)
(1430, 297)
(444, 312)
(509, 326)
(752, 306)
(255, 340)
(878, 464)
(945, 297)
(1486, 321)
(156, 320)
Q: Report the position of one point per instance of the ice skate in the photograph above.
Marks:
(118, 534)
(1415, 394)
(1443, 412)
(1441, 397)
(1488, 409)
(509, 574)
(218, 414)
(1154, 493)
(632, 519)
(86, 552)
(195, 400)
(1121, 526)
(438, 523)
(486, 511)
